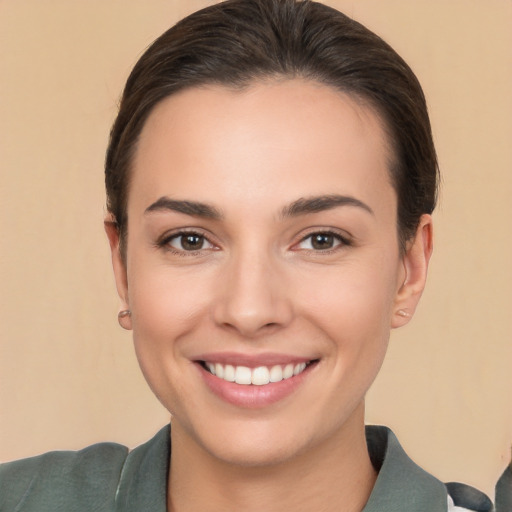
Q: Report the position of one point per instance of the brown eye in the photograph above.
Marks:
(321, 241)
(189, 242)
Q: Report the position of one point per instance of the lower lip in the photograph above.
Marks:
(251, 396)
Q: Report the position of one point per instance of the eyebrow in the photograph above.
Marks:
(193, 208)
(316, 204)
(301, 206)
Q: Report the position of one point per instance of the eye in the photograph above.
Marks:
(188, 242)
(321, 241)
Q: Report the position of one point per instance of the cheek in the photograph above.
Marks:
(166, 307)
(354, 299)
(165, 301)
(353, 309)
(162, 308)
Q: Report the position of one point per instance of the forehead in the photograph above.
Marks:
(289, 137)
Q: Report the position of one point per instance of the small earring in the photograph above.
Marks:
(402, 312)
(123, 317)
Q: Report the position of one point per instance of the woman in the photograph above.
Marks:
(270, 179)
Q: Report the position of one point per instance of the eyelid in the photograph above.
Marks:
(163, 241)
(343, 237)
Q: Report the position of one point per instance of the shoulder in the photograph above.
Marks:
(404, 486)
(101, 478)
(88, 477)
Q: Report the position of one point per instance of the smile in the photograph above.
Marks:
(253, 382)
(259, 376)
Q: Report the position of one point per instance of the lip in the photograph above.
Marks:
(251, 396)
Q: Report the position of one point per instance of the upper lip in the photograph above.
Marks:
(252, 360)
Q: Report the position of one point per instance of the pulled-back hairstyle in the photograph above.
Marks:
(237, 42)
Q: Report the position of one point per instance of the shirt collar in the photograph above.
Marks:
(143, 480)
(401, 485)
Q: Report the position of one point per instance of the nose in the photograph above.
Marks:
(253, 298)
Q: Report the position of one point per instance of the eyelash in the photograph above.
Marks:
(343, 241)
(165, 242)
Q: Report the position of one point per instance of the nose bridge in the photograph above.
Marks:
(253, 296)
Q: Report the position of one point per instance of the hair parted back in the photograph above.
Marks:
(237, 42)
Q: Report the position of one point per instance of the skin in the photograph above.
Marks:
(258, 285)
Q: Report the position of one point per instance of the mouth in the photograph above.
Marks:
(254, 381)
(257, 376)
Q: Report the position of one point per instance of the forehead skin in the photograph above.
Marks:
(254, 134)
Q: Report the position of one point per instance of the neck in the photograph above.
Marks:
(336, 474)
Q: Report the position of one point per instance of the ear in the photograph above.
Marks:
(119, 266)
(415, 263)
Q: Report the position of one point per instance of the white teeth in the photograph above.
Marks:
(219, 370)
(259, 376)
(229, 373)
(276, 374)
(288, 371)
(299, 368)
(242, 375)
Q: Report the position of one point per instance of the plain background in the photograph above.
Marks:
(68, 375)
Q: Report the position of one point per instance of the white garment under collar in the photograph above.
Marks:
(453, 508)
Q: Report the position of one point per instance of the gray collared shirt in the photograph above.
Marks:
(108, 477)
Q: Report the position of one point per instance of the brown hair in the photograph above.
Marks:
(236, 42)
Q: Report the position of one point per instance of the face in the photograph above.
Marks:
(262, 247)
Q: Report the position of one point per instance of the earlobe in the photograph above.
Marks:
(119, 266)
(415, 262)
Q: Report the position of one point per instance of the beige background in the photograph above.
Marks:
(68, 376)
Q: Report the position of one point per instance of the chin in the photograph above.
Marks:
(250, 454)
(247, 442)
